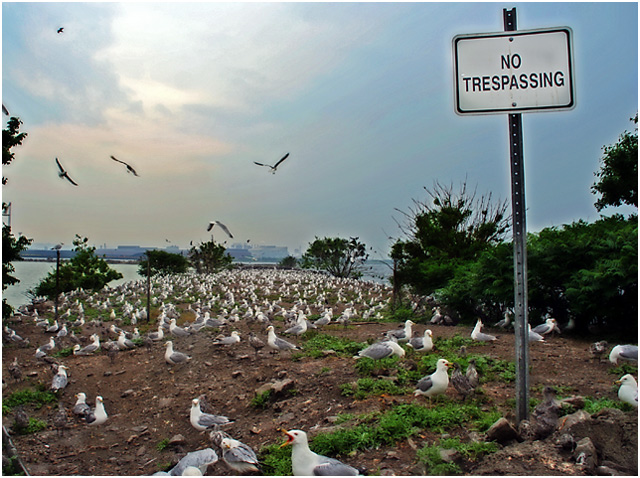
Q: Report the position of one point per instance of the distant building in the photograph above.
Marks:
(263, 253)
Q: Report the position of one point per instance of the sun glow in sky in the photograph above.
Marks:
(359, 94)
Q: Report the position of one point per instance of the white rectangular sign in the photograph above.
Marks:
(514, 72)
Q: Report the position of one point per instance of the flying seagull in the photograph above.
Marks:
(63, 173)
(222, 226)
(5, 110)
(129, 168)
(60, 30)
(275, 166)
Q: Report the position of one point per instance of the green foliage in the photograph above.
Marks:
(11, 137)
(430, 456)
(275, 461)
(288, 262)
(618, 175)
(594, 405)
(84, 271)
(35, 425)
(316, 344)
(261, 400)
(35, 398)
(162, 444)
(163, 263)
(209, 257)
(367, 387)
(367, 367)
(339, 257)
(11, 467)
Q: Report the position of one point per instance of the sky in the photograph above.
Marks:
(361, 95)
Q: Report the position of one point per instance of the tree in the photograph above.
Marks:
(209, 257)
(163, 263)
(618, 174)
(84, 271)
(340, 257)
(289, 262)
(11, 246)
(444, 234)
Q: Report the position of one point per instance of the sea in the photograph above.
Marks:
(31, 273)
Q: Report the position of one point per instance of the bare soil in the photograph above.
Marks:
(148, 401)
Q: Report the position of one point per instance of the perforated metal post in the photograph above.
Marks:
(519, 251)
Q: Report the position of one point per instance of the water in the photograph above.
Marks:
(31, 273)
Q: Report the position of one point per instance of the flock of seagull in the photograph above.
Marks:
(233, 294)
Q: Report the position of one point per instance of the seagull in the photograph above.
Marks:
(199, 459)
(238, 456)
(64, 174)
(421, 344)
(547, 327)
(299, 328)
(534, 336)
(60, 419)
(598, 348)
(172, 357)
(628, 391)
(59, 379)
(81, 408)
(304, 462)
(234, 338)
(472, 373)
(544, 418)
(177, 331)
(276, 343)
(5, 110)
(380, 350)
(401, 335)
(275, 166)
(255, 342)
(479, 336)
(436, 383)
(124, 342)
(506, 322)
(98, 415)
(156, 336)
(461, 382)
(89, 349)
(203, 421)
(129, 168)
(222, 226)
(623, 352)
(14, 369)
(60, 30)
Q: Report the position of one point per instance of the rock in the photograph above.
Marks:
(606, 471)
(586, 454)
(277, 386)
(177, 440)
(566, 442)
(127, 393)
(502, 431)
(165, 402)
(576, 402)
(449, 455)
(570, 420)
(236, 373)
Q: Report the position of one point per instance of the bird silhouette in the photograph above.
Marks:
(63, 173)
(60, 30)
(129, 168)
(275, 166)
(222, 226)
(5, 110)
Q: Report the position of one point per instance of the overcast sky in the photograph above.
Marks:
(361, 95)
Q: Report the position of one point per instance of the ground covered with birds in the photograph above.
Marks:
(361, 411)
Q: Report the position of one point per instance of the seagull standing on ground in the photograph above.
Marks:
(380, 350)
(98, 415)
(129, 168)
(81, 408)
(275, 166)
(421, 344)
(59, 379)
(278, 344)
(173, 357)
(436, 383)
(64, 174)
(479, 336)
(623, 352)
(202, 421)
(239, 456)
(628, 391)
(304, 462)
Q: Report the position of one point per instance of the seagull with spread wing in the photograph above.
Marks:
(275, 166)
(64, 174)
(222, 226)
(129, 168)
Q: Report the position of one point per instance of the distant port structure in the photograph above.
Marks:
(134, 253)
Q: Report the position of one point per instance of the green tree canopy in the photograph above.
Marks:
(163, 263)
(84, 271)
(209, 257)
(338, 256)
(617, 181)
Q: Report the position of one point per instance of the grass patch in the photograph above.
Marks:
(34, 426)
(275, 461)
(261, 400)
(35, 398)
(430, 456)
(317, 343)
(367, 367)
(593, 405)
(623, 369)
(162, 444)
(367, 387)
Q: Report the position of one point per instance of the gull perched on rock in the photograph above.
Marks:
(173, 357)
(304, 462)
(98, 415)
(544, 418)
(421, 344)
(623, 352)
(276, 343)
(403, 334)
(203, 421)
(477, 335)
(628, 391)
(380, 350)
(436, 383)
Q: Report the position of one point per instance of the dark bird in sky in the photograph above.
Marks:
(222, 226)
(63, 173)
(5, 110)
(129, 168)
(275, 166)
(60, 30)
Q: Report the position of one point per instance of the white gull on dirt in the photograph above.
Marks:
(305, 462)
(98, 415)
(174, 357)
(81, 408)
(436, 383)
(380, 350)
(203, 421)
(628, 391)
(623, 352)
(276, 343)
(477, 335)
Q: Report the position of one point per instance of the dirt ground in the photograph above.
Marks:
(148, 401)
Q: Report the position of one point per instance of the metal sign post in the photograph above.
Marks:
(514, 72)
